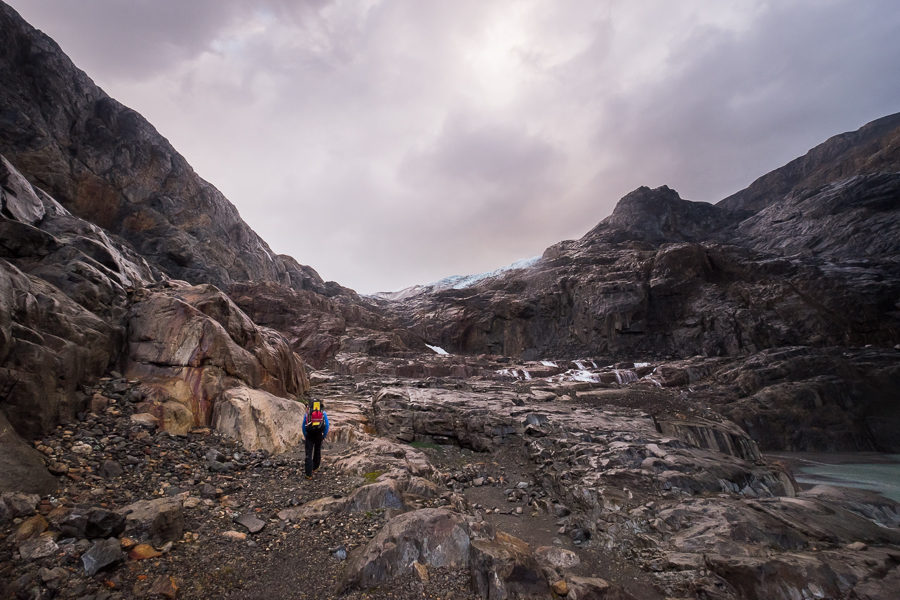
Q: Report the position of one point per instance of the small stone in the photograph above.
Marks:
(127, 543)
(30, 528)
(421, 571)
(518, 510)
(143, 551)
(340, 553)
(857, 546)
(101, 555)
(236, 536)
(145, 420)
(192, 502)
(39, 547)
(164, 585)
(57, 468)
(478, 481)
(110, 469)
(522, 485)
(253, 524)
(560, 588)
(82, 448)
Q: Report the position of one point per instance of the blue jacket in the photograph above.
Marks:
(325, 432)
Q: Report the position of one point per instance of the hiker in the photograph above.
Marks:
(315, 428)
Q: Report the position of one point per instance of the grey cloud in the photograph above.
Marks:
(733, 106)
(362, 138)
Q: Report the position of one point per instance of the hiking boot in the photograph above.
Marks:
(309, 476)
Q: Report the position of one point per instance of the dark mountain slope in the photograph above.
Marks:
(105, 163)
(663, 275)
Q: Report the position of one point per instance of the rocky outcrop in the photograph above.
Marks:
(319, 327)
(189, 344)
(808, 257)
(107, 164)
(64, 288)
(433, 537)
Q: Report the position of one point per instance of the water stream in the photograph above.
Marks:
(865, 470)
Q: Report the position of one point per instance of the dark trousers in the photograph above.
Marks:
(313, 453)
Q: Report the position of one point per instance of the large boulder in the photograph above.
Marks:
(189, 344)
(259, 420)
(431, 536)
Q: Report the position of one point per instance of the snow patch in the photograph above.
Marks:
(438, 349)
(641, 365)
(549, 363)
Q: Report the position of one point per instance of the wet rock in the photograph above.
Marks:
(159, 520)
(725, 437)
(103, 554)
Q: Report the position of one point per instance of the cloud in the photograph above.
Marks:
(392, 142)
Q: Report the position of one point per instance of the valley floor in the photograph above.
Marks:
(608, 505)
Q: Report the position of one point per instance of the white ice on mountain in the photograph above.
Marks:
(437, 349)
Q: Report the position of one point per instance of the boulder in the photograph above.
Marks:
(159, 521)
(22, 468)
(259, 420)
(431, 536)
(505, 567)
(189, 344)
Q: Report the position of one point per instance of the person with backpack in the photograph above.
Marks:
(315, 428)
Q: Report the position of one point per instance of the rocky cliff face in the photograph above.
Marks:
(105, 163)
(77, 303)
(664, 276)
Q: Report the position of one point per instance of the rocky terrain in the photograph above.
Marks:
(608, 421)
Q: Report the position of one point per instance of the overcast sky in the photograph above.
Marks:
(393, 142)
